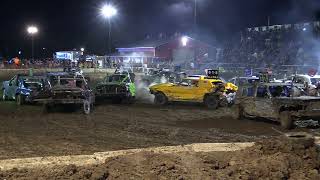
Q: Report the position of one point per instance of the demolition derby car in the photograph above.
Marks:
(118, 87)
(310, 85)
(209, 90)
(69, 89)
(274, 101)
(26, 89)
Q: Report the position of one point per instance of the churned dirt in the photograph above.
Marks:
(27, 131)
(268, 159)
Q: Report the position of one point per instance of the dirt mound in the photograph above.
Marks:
(278, 158)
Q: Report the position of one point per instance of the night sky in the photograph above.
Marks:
(69, 24)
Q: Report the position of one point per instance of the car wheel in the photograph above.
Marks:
(239, 112)
(48, 108)
(301, 138)
(20, 99)
(211, 102)
(286, 120)
(130, 100)
(4, 96)
(160, 99)
(224, 102)
(87, 107)
(116, 100)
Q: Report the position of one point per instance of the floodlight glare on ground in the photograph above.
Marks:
(108, 11)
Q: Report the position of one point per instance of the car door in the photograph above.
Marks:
(190, 92)
(263, 103)
(246, 95)
(184, 91)
(12, 88)
(44, 91)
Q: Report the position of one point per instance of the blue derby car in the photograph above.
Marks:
(26, 89)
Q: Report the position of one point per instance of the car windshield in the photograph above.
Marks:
(314, 81)
(31, 82)
(116, 78)
(189, 82)
(69, 82)
(279, 91)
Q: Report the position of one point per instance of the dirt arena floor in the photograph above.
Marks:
(276, 158)
(28, 131)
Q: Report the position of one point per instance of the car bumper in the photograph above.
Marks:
(112, 95)
(308, 114)
(61, 101)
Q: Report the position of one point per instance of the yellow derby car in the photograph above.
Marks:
(209, 90)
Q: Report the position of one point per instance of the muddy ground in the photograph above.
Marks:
(28, 131)
(275, 158)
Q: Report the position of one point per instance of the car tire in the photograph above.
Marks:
(239, 112)
(302, 138)
(48, 108)
(4, 97)
(160, 99)
(87, 107)
(211, 102)
(223, 102)
(116, 100)
(20, 99)
(130, 100)
(286, 120)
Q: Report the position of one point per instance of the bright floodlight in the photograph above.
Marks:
(32, 30)
(184, 40)
(82, 49)
(108, 11)
(304, 29)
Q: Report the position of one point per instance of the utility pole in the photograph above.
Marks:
(195, 16)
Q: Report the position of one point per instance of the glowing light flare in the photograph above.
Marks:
(32, 30)
(184, 40)
(108, 11)
(82, 49)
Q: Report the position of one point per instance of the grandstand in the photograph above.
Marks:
(281, 47)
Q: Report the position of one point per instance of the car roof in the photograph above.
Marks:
(270, 84)
(57, 73)
(192, 78)
(306, 75)
(253, 77)
(34, 76)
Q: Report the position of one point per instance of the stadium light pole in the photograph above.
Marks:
(32, 30)
(195, 12)
(108, 11)
(184, 40)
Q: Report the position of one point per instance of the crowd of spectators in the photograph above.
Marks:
(16, 63)
(294, 45)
